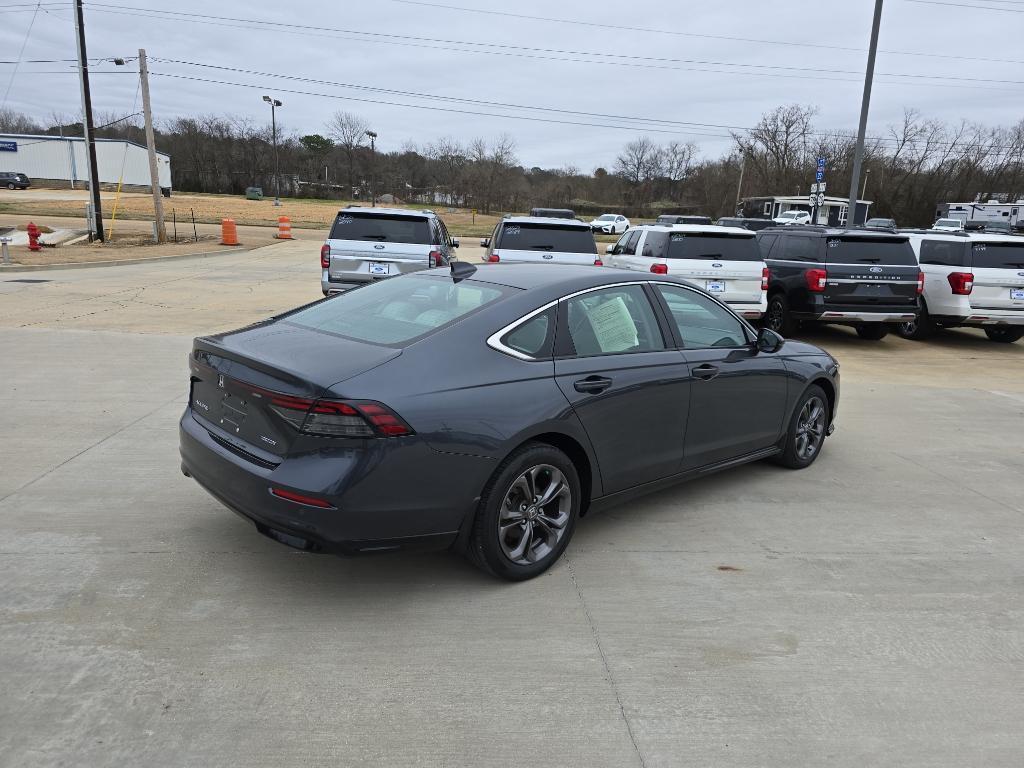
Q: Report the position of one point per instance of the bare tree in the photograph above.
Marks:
(676, 160)
(777, 147)
(349, 132)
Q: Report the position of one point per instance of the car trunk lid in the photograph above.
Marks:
(998, 269)
(868, 271)
(727, 265)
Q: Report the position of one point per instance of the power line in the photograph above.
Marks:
(968, 5)
(517, 51)
(21, 52)
(662, 31)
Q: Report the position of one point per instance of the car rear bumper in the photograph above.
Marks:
(751, 310)
(987, 317)
(860, 316)
(369, 511)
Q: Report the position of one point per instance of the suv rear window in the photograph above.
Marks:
(997, 256)
(727, 247)
(874, 250)
(398, 311)
(391, 228)
(546, 237)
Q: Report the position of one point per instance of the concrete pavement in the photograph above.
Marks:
(866, 611)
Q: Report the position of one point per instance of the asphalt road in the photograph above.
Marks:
(866, 611)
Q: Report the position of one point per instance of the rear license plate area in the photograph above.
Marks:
(233, 411)
(715, 286)
(1017, 294)
(379, 268)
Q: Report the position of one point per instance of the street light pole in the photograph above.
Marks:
(373, 168)
(858, 153)
(274, 104)
(864, 190)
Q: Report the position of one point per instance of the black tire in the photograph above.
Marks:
(872, 331)
(778, 317)
(10, 186)
(919, 329)
(791, 455)
(1004, 335)
(485, 547)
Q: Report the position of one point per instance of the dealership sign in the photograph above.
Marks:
(8, 146)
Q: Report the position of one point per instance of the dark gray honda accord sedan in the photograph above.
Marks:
(487, 408)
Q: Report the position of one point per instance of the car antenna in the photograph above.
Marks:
(461, 270)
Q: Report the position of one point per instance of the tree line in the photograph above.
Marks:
(909, 167)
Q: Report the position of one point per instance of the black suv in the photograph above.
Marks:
(13, 180)
(845, 276)
(755, 225)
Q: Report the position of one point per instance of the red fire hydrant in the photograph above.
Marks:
(33, 237)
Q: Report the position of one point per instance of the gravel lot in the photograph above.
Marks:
(867, 611)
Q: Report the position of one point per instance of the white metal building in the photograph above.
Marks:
(57, 161)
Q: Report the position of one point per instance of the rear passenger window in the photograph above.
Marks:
(613, 320)
(794, 248)
(629, 247)
(534, 337)
(765, 242)
(942, 252)
(654, 245)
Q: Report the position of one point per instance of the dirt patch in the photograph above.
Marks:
(130, 246)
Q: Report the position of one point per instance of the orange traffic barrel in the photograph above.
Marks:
(228, 232)
(284, 228)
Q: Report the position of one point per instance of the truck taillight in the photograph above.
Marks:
(493, 258)
(920, 283)
(766, 275)
(815, 279)
(659, 269)
(435, 259)
(337, 418)
(325, 256)
(961, 283)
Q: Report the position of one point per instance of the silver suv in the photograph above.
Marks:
(367, 244)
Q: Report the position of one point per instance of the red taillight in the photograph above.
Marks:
(493, 258)
(961, 283)
(816, 280)
(325, 256)
(659, 269)
(920, 283)
(335, 418)
(299, 498)
(598, 263)
(434, 259)
(766, 275)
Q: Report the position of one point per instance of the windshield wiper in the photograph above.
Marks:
(543, 247)
(375, 237)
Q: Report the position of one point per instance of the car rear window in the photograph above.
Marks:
(998, 256)
(727, 247)
(398, 311)
(391, 228)
(546, 237)
(874, 250)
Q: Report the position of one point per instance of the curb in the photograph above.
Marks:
(123, 262)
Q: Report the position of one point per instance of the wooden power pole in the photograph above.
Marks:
(90, 140)
(154, 172)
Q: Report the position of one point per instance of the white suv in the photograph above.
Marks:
(540, 240)
(724, 261)
(969, 280)
(793, 217)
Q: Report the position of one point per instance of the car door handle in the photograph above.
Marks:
(592, 384)
(705, 372)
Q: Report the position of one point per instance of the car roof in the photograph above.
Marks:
(818, 230)
(545, 220)
(967, 237)
(386, 211)
(697, 229)
(566, 277)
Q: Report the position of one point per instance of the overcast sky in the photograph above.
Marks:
(676, 71)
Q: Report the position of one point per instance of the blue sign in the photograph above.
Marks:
(8, 146)
(819, 176)
(821, 163)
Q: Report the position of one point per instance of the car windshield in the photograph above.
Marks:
(879, 222)
(391, 228)
(546, 237)
(870, 250)
(397, 311)
(606, 217)
(791, 215)
(998, 256)
(682, 245)
(947, 223)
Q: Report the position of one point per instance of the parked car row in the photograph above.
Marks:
(873, 279)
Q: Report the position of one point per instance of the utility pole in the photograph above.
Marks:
(274, 104)
(154, 173)
(858, 154)
(864, 190)
(90, 139)
(373, 168)
(739, 187)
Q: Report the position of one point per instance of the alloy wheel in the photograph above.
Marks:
(908, 328)
(775, 316)
(534, 513)
(810, 428)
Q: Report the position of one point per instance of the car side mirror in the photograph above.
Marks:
(485, 242)
(768, 341)
(455, 242)
(609, 249)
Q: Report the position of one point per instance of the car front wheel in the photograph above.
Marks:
(1004, 335)
(807, 428)
(10, 186)
(527, 513)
